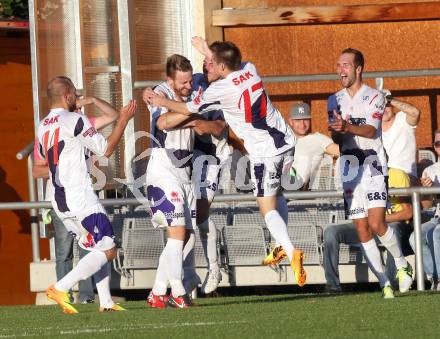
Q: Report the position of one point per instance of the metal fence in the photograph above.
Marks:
(414, 192)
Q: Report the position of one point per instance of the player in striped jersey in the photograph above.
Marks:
(211, 152)
(268, 139)
(64, 138)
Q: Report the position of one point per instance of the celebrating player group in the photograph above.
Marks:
(191, 115)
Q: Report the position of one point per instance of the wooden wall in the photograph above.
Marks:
(311, 49)
(16, 130)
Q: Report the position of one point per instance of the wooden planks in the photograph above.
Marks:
(326, 14)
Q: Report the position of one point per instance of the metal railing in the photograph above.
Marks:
(414, 192)
(324, 76)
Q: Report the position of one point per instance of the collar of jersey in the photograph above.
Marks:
(57, 110)
(362, 89)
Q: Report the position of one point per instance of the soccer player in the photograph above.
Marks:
(364, 168)
(64, 140)
(63, 239)
(169, 188)
(268, 139)
(211, 152)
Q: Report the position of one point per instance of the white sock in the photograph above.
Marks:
(391, 243)
(174, 259)
(278, 229)
(102, 279)
(161, 279)
(85, 268)
(188, 258)
(372, 254)
(208, 237)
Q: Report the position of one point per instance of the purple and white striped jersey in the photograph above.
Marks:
(248, 111)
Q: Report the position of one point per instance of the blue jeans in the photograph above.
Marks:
(430, 247)
(337, 234)
(64, 258)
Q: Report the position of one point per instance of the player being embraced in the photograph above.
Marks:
(169, 187)
(240, 94)
(65, 139)
(364, 171)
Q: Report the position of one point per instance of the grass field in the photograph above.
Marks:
(357, 315)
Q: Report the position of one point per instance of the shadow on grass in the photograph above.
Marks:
(273, 298)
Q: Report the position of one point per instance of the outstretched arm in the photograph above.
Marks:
(154, 99)
(412, 112)
(202, 126)
(109, 113)
(171, 120)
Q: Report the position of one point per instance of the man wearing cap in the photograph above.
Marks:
(310, 147)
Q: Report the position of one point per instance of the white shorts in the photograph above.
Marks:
(90, 227)
(361, 195)
(172, 203)
(266, 173)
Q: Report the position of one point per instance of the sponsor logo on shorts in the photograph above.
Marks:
(274, 175)
(88, 241)
(374, 196)
(355, 211)
(174, 215)
(175, 197)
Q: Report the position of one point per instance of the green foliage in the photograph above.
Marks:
(14, 9)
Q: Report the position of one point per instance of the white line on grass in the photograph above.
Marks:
(119, 328)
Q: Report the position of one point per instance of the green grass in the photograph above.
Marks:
(361, 315)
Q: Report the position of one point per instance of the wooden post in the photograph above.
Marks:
(326, 14)
(203, 25)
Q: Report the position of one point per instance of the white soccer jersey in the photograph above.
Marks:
(64, 141)
(248, 111)
(399, 142)
(172, 149)
(365, 108)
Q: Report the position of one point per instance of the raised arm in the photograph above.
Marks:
(109, 113)
(96, 142)
(412, 112)
(201, 46)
